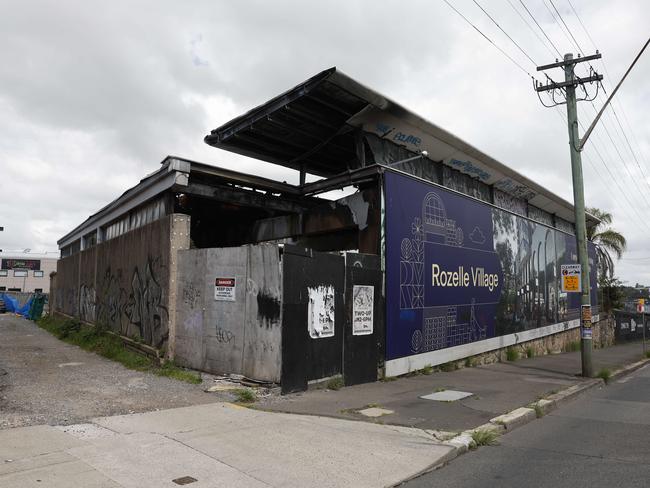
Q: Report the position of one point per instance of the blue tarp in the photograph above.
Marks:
(12, 305)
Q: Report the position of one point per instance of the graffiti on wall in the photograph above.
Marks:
(135, 308)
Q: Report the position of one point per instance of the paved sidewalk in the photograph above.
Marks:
(496, 389)
(219, 445)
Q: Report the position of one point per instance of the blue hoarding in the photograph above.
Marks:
(460, 271)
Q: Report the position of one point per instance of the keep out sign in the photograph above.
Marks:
(224, 289)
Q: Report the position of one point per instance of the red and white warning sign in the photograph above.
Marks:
(224, 289)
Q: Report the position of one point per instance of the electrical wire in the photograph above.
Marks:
(593, 43)
(489, 40)
(556, 21)
(507, 35)
(531, 28)
(540, 28)
(566, 27)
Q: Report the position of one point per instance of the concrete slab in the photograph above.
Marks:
(145, 460)
(374, 412)
(61, 475)
(34, 441)
(276, 449)
(447, 396)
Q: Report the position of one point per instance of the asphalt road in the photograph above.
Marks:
(600, 440)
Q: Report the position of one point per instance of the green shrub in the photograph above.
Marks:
(512, 354)
(448, 367)
(530, 352)
(428, 369)
(335, 383)
(605, 374)
(245, 395)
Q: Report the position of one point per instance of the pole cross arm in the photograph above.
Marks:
(554, 85)
(568, 62)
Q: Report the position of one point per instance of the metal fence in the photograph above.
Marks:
(631, 326)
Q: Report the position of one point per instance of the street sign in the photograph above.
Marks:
(571, 278)
(640, 305)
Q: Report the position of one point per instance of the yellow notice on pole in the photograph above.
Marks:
(571, 275)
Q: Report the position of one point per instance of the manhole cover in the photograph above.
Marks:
(185, 480)
(447, 396)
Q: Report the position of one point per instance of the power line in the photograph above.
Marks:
(489, 40)
(507, 35)
(531, 28)
(540, 28)
(577, 44)
(566, 26)
(593, 43)
(556, 21)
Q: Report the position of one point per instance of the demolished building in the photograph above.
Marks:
(439, 253)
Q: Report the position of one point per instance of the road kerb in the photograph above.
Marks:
(463, 442)
(516, 418)
(629, 368)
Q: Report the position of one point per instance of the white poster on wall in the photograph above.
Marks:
(320, 312)
(363, 299)
(224, 289)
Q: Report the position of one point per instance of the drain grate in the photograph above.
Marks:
(185, 480)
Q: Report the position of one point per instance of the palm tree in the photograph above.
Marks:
(608, 242)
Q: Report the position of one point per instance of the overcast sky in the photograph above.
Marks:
(93, 95)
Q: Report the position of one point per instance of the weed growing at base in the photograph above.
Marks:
(512, 354)
(244, 395)
(335, 383)
(110, 346)
(605, 374)
(485, 437)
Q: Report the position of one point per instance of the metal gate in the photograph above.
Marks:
(332, 317)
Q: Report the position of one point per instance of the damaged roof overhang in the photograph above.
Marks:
(315, 126)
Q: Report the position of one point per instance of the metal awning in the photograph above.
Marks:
(317, 127)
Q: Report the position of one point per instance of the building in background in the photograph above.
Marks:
(26, 272)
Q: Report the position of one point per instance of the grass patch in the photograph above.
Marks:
(448, 367)
(428, 369)
(512, 354)
(171, 370)
(110, 346)
(539, 411)
(335, 383)
(484, 437)
(388, 379)
(574, 346)
(605, 374)
(530, 352)
(647, 354)
(244, 395)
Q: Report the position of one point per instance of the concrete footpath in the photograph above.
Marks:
(225, 445)
(218, 445)
(495, 389)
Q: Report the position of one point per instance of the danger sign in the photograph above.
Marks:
(571, 275)
(224, 289)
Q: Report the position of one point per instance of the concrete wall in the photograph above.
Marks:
(124, 283)
(241, 336)
(603, 336)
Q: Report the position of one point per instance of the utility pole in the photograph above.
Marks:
(569, 87)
